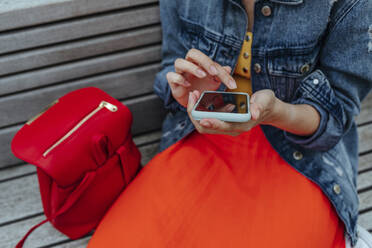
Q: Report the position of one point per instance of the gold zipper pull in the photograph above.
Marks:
(109, 106)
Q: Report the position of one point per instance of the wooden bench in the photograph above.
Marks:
(50, 47)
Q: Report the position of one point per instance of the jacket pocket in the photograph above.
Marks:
(194, 35)
(294, 63)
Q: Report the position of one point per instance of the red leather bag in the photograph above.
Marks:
(85, 157)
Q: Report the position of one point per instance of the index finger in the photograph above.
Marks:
(211, 67)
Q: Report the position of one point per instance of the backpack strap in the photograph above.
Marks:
(74, 196)
(22, 241)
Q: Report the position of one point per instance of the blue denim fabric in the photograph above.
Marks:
(314, 52)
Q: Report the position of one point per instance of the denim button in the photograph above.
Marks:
(266, 10)
(247, 38)
(315, 81)
(305, 68)
(337, 189)
(257, 68)
(298, 155)
(246, 55)
(245, 70)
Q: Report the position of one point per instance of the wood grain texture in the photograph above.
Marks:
(72, 51)
(365, 138)
(365, 162)
(366, 110)
(365, 199)
(81, 70)
(365, 181)
(78, 28)
(144, 109)
(365, 220)
(119, 84)
(19, 14)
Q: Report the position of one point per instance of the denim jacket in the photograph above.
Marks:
(308, 52)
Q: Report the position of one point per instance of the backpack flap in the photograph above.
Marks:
(59, 140)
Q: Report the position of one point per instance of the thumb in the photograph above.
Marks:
(193, 97)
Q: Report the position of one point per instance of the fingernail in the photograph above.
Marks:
(190, 97)
(213, 70)
(201, 73)
(232, 84)
(187, 83)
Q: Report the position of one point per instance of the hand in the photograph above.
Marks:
(264, 108)
(197, 72)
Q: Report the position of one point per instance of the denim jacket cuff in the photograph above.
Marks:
(308, 140)
(315, 90)
(162, 89)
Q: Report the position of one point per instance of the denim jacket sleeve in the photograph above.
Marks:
(172, 49)
(343, 77)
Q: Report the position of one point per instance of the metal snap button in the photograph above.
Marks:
(246, 55)
(266, 10)
(245, 69)
(257, 68)
(337, 189)
(298, 155)
(247, 38)
(315, 81)
(305, 68)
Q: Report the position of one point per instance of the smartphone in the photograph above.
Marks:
(225, 106)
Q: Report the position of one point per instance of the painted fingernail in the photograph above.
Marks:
(213, 70)
(201, 73)
(232, 84)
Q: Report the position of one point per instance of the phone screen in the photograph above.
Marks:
(223, 102)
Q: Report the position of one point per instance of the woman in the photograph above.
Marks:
(287, 178)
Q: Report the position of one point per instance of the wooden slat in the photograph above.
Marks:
(46, 234)
(71, 51)
(78, 28)
(79, 69)
(365, 138)
(120, 84)
(23, 13)
(365, 180)
(366, 110)
(16, 171)
(365, 199)
(365, 220)
(148, 113)
(80, 243)
(365, 162)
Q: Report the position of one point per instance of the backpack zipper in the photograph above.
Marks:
(102, 105)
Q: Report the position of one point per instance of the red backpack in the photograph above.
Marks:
(85, 157)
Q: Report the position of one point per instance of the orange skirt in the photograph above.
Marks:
(220, 191)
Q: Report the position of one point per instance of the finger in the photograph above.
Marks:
(211, 67)
(182, 66)
(255, 111)
(208, 127)
(227, 68)
(193, 97)
(177, 79)
(217, 125)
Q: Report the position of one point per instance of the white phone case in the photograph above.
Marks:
(230, 117)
